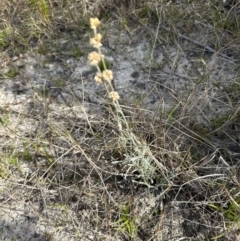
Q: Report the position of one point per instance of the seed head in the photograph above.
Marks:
(94, 23)
(107, 75)
(98, 78)
(96, 41)
(114, 95)
(94, 58)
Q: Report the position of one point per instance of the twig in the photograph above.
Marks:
(209, 49)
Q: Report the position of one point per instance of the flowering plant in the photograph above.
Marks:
(95, 58)
(138, 156)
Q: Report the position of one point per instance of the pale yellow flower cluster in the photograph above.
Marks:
(114, 95)
(96, 41)
(107, 74)
(99, 78)
(95, 58)
(94, 23)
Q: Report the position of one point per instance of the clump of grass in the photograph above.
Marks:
(13, 72)
(41, 6)
(77, 52)
(126, 222)
(231, 211)
(138, 157)
(5, 38)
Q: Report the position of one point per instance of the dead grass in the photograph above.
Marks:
(60, 151)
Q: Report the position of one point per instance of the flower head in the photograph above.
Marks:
(98, 78)
(94, 23)
(114, 95)
(96, 41)
(107, 74)
(94, 58)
